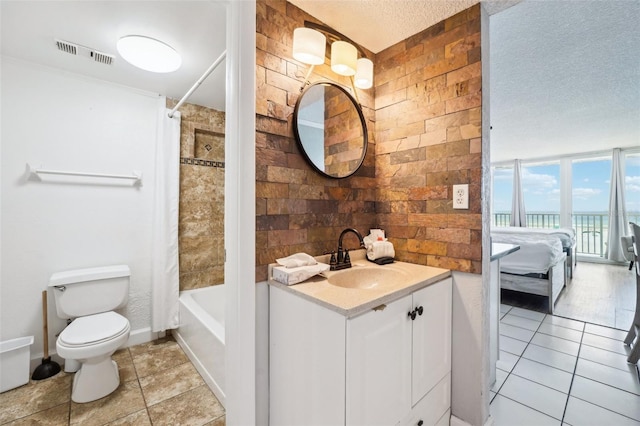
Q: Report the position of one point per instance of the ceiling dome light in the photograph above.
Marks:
(149, 54)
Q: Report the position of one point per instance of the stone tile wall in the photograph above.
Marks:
(428, 137)
(424, 122)
(201, 217)
(297, 209)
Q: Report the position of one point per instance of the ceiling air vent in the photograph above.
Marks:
(65, 46)
(87, 52)
(103, 58)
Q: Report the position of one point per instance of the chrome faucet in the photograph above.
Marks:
(342, 259)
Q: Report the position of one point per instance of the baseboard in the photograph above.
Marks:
(35, 362)
(454, 421)
(140, 336)
(136, 337)
(457, 422)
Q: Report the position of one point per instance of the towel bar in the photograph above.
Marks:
(135, 176)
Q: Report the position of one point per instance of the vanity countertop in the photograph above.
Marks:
(351, 302)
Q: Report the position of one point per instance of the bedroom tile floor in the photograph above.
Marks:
(600, 294)
(557, 371)
(159, 386)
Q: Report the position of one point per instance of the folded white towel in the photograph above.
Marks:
(290, 276)
(377, 234)
(296, 260)
(378, 249)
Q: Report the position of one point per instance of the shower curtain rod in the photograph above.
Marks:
(199, 82)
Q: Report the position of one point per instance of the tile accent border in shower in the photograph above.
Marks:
(200, 162)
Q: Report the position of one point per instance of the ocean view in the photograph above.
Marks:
(591, 227)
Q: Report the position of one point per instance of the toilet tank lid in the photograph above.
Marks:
(89, 274)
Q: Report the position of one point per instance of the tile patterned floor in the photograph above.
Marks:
(558, 371)
(159, 386)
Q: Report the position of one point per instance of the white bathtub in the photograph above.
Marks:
(201, 334)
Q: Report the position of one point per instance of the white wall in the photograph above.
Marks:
(68, 122)
(467, 363)
(240, 214)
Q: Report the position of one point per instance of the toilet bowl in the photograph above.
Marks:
(89, 296)
(91, 340)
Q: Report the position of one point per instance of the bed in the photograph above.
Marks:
(539, 267)
(567, 238)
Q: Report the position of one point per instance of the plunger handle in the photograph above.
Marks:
(45, 328)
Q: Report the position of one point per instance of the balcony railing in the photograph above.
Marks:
(592, 229)
(534, 220)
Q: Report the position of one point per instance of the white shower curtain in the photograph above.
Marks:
(164, 272)
(518, 213)
(618, 225)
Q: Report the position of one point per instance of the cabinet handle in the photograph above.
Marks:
(420, 423)
(417, 311)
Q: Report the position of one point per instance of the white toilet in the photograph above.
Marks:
(89, 296)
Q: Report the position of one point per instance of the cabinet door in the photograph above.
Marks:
(306, 362)
(431, 338)
(379, 365)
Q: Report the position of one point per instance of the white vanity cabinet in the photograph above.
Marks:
(378, 368)
(378, 365)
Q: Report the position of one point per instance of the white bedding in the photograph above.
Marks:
(567, 235)
(538, 252)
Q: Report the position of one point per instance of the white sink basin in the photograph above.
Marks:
(366, 277)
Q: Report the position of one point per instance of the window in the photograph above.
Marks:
(569, 192)
(502, 192)
(591, 179)
(541, 189)
(632, 187)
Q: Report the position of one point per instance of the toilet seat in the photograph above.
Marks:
(94, 329)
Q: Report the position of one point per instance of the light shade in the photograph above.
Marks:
(344, 58)
(149, 54)
(364, 74)
(309, 46)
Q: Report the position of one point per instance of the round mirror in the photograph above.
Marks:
(330, 130)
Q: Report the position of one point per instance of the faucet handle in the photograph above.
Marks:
(347, 258)
(332, 260)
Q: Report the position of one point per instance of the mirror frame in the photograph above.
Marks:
(362, 122)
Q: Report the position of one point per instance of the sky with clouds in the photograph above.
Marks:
(590, 181)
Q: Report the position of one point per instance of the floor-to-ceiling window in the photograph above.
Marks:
(581, 203)
(632, 186)
(590, 199)
(502, 193)
(541, 189)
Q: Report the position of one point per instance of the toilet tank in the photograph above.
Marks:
(83, 292)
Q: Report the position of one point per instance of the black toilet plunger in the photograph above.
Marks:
(48, 368)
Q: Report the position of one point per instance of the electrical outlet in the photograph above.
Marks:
(461, 196)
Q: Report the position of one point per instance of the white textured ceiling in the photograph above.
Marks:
(196, 29)
(564, 78)
(378, 24)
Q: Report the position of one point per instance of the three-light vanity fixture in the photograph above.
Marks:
(309, 46)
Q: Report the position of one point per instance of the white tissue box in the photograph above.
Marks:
(290, 276)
